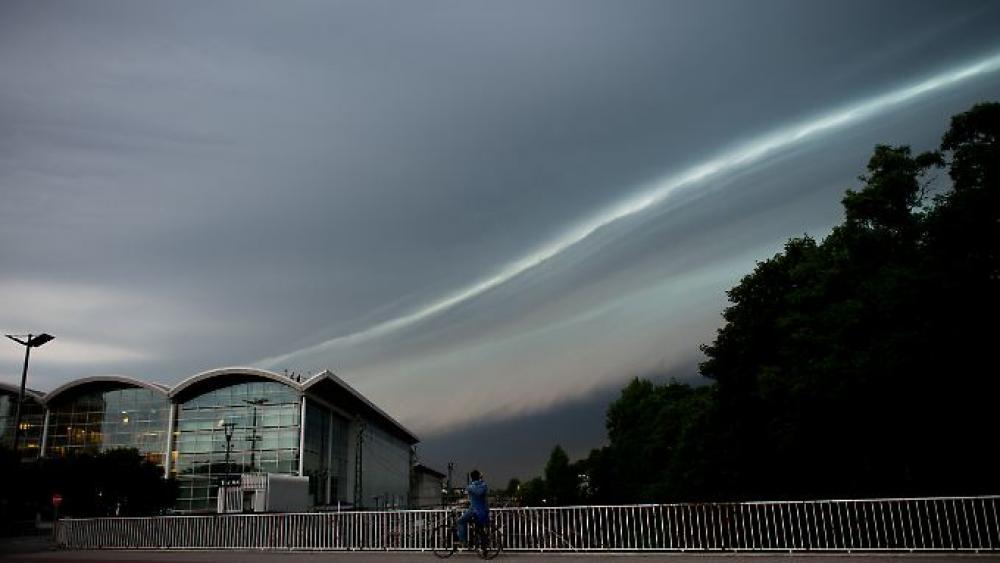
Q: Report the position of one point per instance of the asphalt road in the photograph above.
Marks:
(39, 550)
(373, 557)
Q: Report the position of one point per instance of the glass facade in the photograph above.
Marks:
(99, 418)
(32, 423)
(325, 454)
(260, 411)
(265, 438)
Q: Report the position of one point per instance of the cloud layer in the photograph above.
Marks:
(473, 212)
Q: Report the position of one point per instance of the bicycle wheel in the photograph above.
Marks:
(491, 543)
(444, 541)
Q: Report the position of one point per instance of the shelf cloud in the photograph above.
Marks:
(746, 154)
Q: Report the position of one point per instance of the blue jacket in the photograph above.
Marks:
(477, 498)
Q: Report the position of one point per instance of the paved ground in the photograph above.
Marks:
(369, 557)
(38, 550)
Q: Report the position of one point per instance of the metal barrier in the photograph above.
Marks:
(912, 524)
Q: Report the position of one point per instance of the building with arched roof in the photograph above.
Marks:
(225, 423)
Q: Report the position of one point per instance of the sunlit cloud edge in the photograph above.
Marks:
(743, 155)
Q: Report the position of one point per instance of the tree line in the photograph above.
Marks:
(118, 482)
(862, 365)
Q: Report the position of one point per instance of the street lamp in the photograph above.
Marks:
(29, 341)
(228, 428)
(226, 484)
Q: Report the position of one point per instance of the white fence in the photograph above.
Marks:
(913, 524)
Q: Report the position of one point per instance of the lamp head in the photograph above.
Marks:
(40, 339)
(31, 341)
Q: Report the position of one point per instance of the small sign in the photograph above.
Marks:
(56, 500)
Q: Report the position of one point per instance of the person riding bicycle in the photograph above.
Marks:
(478, 507)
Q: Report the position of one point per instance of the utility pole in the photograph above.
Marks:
(411, 497)
(451, 467)
(253, 438)
(359, 464)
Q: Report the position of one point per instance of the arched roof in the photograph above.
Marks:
(324, 385)
(234, 373)
(38, 396)
(120, 379)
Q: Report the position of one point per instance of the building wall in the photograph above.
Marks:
(265, 438)
(427, 490)
(386, 463)
(185, 433)
(96, 418)
(32, 424)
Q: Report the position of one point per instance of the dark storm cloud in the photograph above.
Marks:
(187, 185)
(519, 447)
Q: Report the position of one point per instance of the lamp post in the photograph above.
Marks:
(226, 484)
(228, 428)
(29, 341)
(254, 438)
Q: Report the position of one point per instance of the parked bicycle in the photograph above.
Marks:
(485, 540)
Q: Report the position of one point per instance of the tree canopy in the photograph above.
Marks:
(118, 482)
(859, 365)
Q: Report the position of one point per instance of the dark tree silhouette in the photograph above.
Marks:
(861, 365)
(116, 482)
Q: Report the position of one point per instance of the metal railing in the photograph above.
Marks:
(910, 524)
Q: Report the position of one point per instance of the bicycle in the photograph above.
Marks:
(486, 541)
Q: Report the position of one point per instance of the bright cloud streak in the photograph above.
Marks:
(742, 156)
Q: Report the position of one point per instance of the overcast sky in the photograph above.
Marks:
(486, 216)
